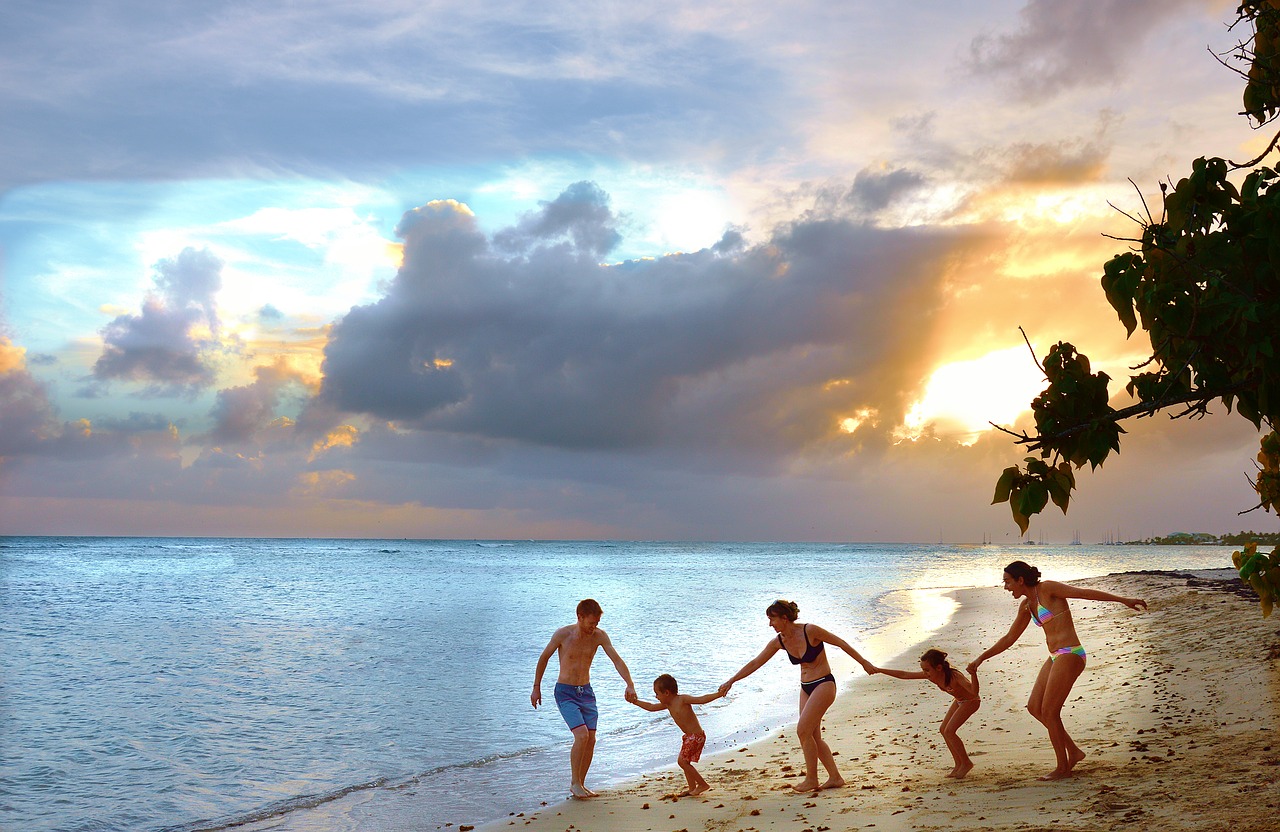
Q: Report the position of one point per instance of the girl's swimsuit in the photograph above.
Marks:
(812, 651)
(1040, 614)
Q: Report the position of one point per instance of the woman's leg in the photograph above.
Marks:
(809, 731)
(1049, 694)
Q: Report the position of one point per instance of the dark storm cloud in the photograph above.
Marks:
(542, 344)
(160, 345)
(1063, 44)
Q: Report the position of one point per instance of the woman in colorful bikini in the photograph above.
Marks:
(1044, 603)
(805, 645)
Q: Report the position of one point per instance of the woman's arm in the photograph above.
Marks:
(751, 666)
(1006, 641)
(1068, 591)
(973, 677)
(836, 641)
(902, 674)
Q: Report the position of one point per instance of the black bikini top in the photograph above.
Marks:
(809, 654)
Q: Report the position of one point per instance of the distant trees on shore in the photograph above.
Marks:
(1204, 539)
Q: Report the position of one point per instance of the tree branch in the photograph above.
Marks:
(1038, 442)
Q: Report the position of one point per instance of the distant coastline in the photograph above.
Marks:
(1205, 539)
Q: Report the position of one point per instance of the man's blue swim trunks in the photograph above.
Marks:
(577, 704)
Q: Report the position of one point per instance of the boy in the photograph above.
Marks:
(577, 644)
(681, 705)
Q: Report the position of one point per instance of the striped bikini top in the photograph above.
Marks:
(1040, 614)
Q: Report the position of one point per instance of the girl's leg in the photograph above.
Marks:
(1054, 685)
(809, 731)
(957, 715)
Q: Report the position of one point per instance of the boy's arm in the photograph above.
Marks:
(704, 698)
(648, 706)
(536, 697)
(902, 674)
(1068, 591)
(618, 664)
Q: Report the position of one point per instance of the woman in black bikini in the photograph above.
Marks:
(805, 645)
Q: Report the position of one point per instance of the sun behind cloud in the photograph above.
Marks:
(962, 398)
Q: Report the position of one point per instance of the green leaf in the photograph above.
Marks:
(1005, 484)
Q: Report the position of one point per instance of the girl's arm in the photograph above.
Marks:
(752, 666)
(1020, 622)
(973, 677)
(704, 699)
(902, 674)
(1068, 591)
(836, 641)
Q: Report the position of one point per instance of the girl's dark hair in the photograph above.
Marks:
(937, 658)
(784, 609)
(1028, 573)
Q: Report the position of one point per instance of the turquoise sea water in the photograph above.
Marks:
(200, 684)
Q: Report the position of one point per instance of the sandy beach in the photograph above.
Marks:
(1177, 711)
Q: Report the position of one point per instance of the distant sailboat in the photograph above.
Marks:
(1075, 538)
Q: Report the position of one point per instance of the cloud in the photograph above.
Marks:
(581, 214)
(543, 344)
(242, 412)
(1065, 44)
(26, 416)
(170, 342)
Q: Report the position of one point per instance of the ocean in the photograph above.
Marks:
(192, 685)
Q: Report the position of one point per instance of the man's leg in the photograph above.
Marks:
(580, 759)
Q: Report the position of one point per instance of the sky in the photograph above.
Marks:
(713, 271)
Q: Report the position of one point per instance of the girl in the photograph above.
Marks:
(935, 667)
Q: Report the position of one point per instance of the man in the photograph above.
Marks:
(577, 645)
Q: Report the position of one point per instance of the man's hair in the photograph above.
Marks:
(589, 606)
(666, 682)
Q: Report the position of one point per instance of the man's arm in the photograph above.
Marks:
(618, 663)
(552, 646)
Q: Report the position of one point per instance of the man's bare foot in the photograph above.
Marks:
(832, 783)
(1056, 774)
(806, 786)
(961, 770)
(697, 790)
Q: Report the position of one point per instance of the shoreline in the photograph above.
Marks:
(1191, 685)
